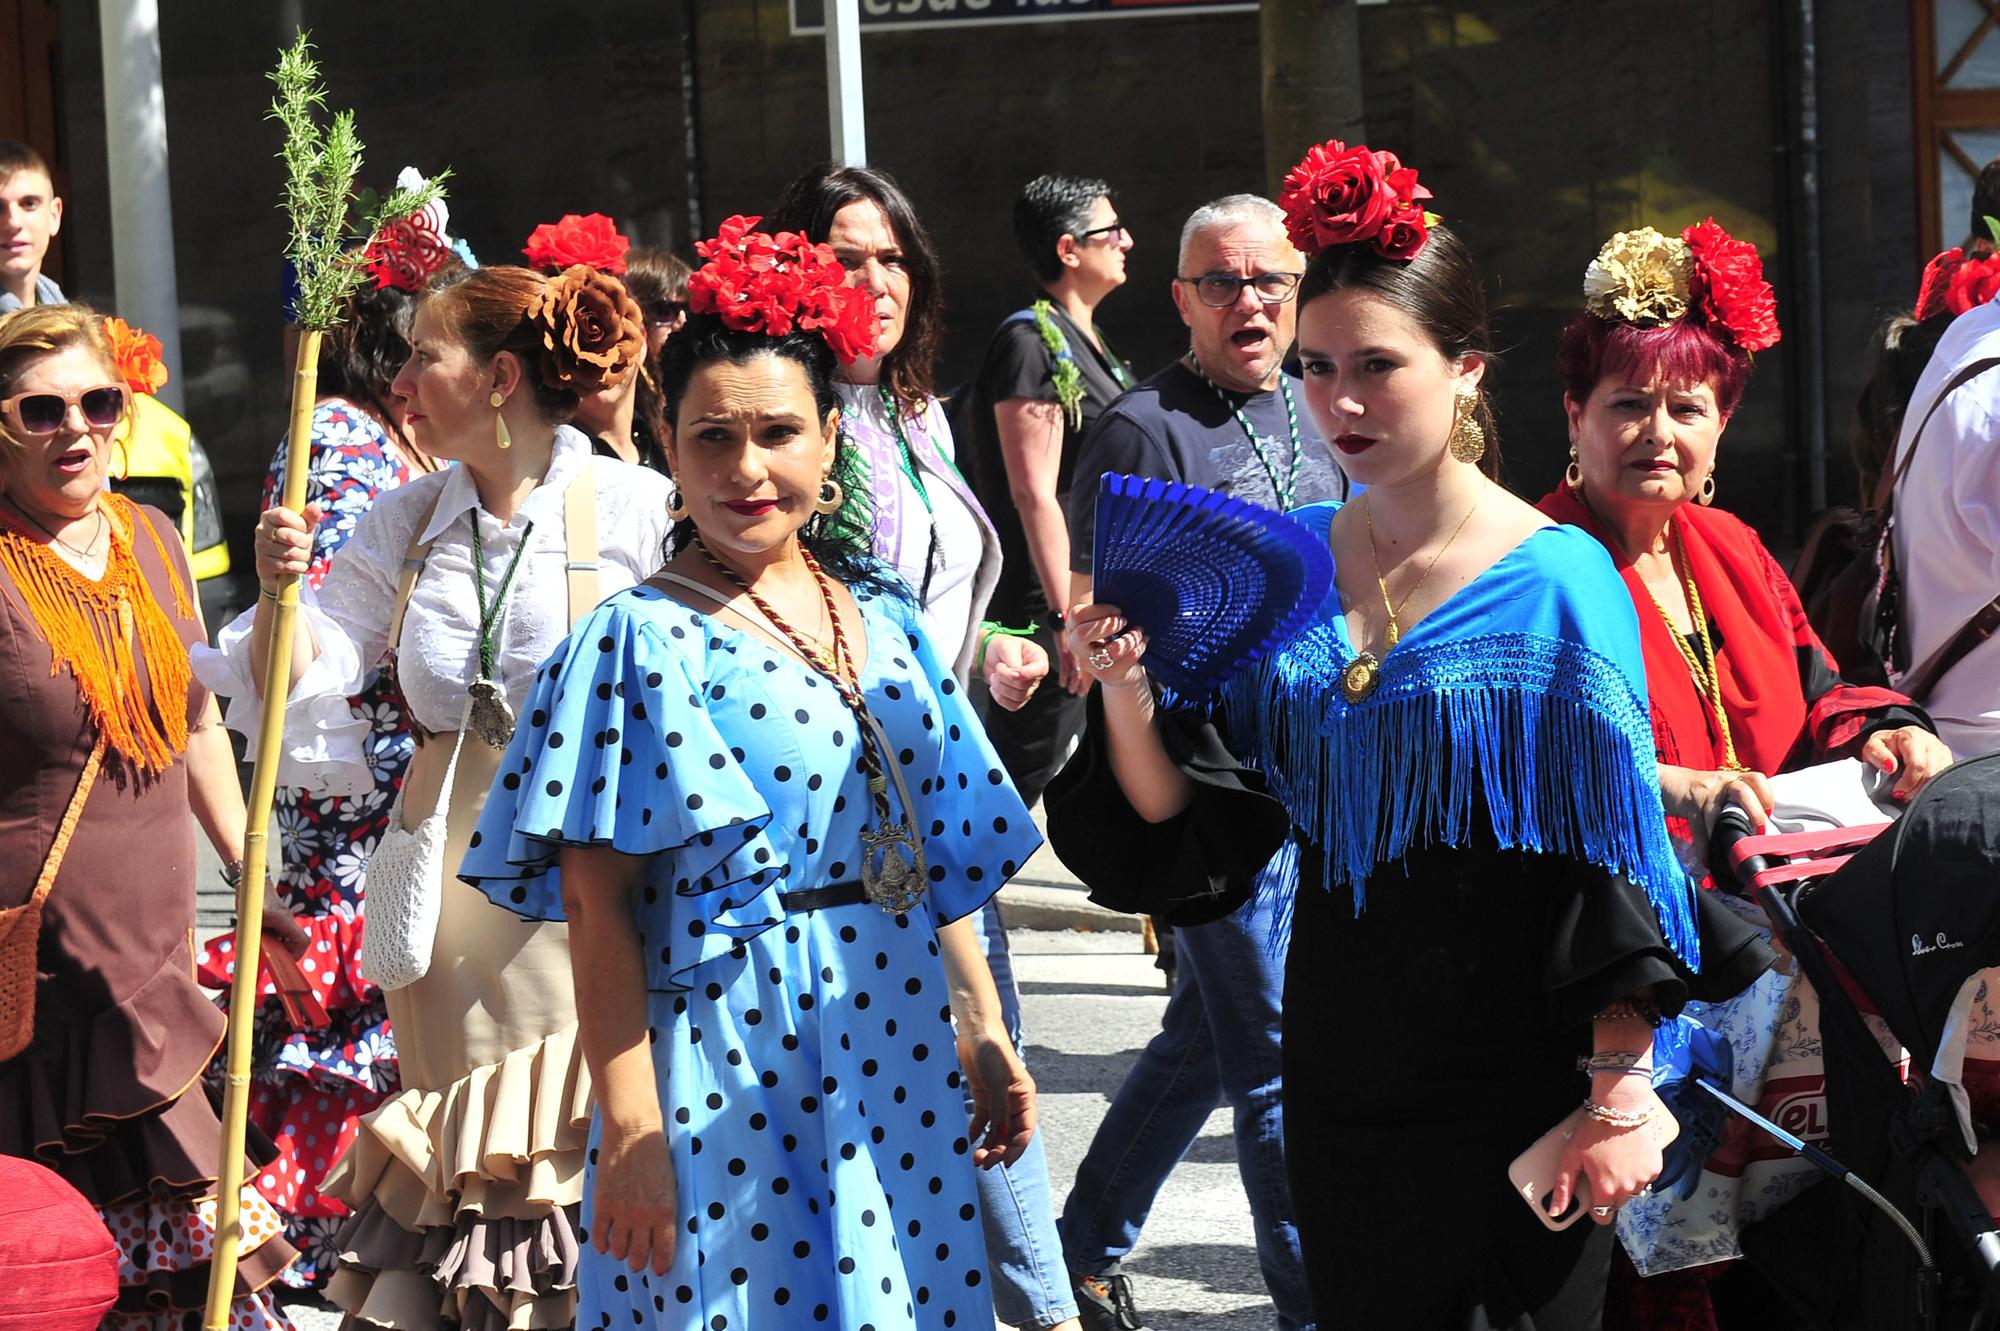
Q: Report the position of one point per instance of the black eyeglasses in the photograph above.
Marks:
(1221, 290)
(664, 311)
(1115, 230)
(43, 413)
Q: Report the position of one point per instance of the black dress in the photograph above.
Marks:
(1431, 1035)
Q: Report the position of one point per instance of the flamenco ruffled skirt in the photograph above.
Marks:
(310, 1087)
(466, 1199)
(112, 1099)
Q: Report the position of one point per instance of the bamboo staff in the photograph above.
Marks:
(320, 164)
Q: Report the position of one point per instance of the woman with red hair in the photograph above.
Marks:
(1741, 687)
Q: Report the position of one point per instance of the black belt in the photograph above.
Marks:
(849, 893)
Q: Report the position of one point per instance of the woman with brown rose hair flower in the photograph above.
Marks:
(465, 1186)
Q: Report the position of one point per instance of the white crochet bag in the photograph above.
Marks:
(406, 888)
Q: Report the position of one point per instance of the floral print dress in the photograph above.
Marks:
(311, 1085)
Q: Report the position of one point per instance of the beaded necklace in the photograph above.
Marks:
(1707, 672)
(1286, 489)
(893, 873)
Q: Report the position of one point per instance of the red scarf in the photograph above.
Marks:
(1758, 638)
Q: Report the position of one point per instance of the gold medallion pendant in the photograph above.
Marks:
(1363, 673)
(492, 719)
(893, 873)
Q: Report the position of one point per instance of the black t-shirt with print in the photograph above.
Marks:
(1176, 427)
(1019, 365)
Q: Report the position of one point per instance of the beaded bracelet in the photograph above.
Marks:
(1618, 1118)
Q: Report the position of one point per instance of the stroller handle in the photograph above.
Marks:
(1731, 827)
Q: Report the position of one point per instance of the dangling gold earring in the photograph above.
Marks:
(500, 435)
(1707, 494)
(1468, 436)
(831, 496)
(1573, 474)
(677, 505)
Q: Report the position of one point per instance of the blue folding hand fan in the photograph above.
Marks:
(1215, 583)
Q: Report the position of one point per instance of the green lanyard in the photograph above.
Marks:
(916, 479)
(909, 455)
(1285, 490)
(489, 618)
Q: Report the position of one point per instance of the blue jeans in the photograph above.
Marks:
(1218, 1042)
(1017, 1206)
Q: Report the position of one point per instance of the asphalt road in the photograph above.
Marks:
(1090, 1001)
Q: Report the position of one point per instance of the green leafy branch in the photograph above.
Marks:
(321, 162)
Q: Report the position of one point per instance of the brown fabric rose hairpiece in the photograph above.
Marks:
(593, 335)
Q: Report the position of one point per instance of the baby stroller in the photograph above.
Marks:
(1902, 1240)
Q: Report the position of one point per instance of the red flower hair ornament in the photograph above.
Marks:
(591, 239)
(1955, 282)
(407, 252)
(1726, 285)
(756, 282)
(1644, 278)
(1350, 196)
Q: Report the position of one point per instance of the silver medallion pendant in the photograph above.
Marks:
(492, 719)
(893, 873)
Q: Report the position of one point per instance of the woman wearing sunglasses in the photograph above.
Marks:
(104, 1033)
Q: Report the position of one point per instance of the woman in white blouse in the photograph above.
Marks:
(465, 1186)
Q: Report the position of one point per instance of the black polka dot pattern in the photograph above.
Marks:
(800, 1065)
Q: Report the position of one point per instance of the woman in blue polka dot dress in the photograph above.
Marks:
(758, 796)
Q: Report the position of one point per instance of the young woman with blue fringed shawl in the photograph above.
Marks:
(1460, 746)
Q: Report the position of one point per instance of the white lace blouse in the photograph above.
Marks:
(326, 747)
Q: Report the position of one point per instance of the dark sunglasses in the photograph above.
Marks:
(664, 311)
(44, 413)
(1114, 231)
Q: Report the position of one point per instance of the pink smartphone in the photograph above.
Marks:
(1533, 1172)
(1533, 1175)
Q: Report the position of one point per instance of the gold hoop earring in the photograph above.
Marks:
(500, 433)
(1707, 493)
(1573, 473)
(1468, 436)
(677, 505)
(831, 496)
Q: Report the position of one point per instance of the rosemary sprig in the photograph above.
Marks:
(321, 162)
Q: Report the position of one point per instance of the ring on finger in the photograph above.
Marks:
(1100, 658)
(1602, 1212)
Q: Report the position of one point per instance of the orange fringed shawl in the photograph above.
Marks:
(91, 628)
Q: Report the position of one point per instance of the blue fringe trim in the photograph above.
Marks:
(1547, 735)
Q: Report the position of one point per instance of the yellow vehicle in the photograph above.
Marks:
(167, 468)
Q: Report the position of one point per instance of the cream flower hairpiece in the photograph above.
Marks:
(1639, 276)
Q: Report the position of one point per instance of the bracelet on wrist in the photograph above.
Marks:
(1616, 1060)
(989, 630)
(1634, 1071)
(1618, 1118)
(268, 593)
(232, 874)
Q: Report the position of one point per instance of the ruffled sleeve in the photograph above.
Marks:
(977, 832)
(326, 741)
(617, 749)
(1193, 868)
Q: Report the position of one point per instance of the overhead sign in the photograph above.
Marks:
(809, 16)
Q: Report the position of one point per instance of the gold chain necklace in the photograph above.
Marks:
(1364, 673)
(1707, 674)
